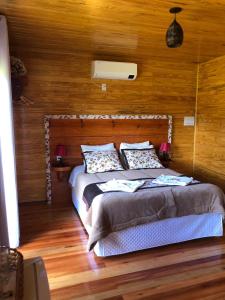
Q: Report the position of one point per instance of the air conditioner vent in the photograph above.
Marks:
(114, 70)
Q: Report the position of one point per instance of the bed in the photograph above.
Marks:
(72, 131)
(155, 234)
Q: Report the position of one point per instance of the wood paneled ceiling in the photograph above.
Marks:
(127, 29)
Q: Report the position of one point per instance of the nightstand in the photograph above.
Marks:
(62, 172)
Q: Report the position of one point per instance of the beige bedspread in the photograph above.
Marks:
(116, 211)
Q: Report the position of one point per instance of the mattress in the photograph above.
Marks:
(155, 234)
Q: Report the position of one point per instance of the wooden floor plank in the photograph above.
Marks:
(191, 270)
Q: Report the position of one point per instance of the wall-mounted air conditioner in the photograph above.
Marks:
(113, 70)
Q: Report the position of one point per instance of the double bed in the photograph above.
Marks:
(156, 231)
(148, 235)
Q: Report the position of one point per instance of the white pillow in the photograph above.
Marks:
(94, 148)
(143, 145)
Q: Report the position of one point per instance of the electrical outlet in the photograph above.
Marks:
(104, 87)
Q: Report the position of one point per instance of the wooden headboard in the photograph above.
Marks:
(72, 131)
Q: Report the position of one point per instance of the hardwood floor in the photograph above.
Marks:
(191, 270)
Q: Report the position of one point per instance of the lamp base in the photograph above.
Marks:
(59, 162)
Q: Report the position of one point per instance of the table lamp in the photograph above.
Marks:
(60, 152)
(164, 151)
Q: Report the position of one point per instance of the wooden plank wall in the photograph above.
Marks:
(73, 133)
(61, 84)
(210, 131)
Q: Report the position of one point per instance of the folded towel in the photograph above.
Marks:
(129, 186)
(173, 180)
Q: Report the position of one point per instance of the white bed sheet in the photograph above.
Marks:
(153, 234)
(73, 175)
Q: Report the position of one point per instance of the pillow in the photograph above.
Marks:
(102, 161)
(143, 145)
(141, 159)
(105, 147)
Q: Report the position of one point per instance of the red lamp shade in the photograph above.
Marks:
(164, 147)
(60, 150)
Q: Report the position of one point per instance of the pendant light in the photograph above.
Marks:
(174, 34)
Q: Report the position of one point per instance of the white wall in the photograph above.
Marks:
(8, 189)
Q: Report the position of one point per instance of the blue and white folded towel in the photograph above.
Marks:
(172, 180)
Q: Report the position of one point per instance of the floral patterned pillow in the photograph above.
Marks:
(102, 161)
(141, 159)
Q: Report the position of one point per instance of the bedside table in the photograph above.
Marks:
(62, 172)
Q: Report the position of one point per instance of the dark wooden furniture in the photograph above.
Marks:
(62, 172)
